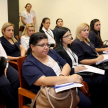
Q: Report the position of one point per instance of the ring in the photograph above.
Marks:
(79, 78)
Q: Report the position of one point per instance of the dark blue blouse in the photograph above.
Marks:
(83, 50)
(94, 40)
(33, 69)
(11, 50)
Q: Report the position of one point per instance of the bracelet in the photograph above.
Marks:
(61, 75)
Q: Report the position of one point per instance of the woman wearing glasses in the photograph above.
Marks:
(28, 31)
(41, 68)
(44, 28)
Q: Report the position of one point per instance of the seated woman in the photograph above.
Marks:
(95, 37)
(87, 55)
(44, 28)
(10, 44)
(28, 31)
(9, 83)
(40, 68)
(59, 23)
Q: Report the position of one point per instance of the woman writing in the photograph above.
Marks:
(87, 55)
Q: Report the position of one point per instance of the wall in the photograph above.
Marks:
(3, 13)
(73, 12)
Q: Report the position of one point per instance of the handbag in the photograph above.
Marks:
(48, 98)
(3, 62)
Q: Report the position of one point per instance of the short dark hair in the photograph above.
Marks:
(28, 4)
(58, 19)
(35, 38)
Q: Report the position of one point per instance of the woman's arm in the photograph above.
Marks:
(12, 58)
(34, 20)
(22, 50)
(92, 61)
(23, 21)
(101, 49)
(66, 70)
(50, 81)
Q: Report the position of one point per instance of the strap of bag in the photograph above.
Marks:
(51, 102)
(33, 101)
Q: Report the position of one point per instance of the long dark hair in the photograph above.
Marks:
(59, 45)
(34, 39)
(96, 32)
(43, 21)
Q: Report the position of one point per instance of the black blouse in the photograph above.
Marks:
(83, 50)
(11, 50)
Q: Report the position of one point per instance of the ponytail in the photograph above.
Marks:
(43, 21)
(40, 27)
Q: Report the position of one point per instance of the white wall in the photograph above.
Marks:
(73, 12)
(3, 13)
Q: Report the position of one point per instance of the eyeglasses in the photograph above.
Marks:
(68, 36)
(44, 45)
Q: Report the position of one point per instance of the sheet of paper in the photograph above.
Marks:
(105, 52)
(66, 86)
(104, 60)
(93, 69)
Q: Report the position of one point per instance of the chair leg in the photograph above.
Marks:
(21, 101)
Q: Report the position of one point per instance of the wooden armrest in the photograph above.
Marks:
(26, 93)
(13, 64)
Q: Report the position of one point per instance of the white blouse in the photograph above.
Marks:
(54, 65)
(3, 53)
(25, 41)
(50, 35)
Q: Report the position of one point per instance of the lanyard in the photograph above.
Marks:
(50, 34)
(73, 55)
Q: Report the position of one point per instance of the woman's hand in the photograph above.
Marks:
(99, 58)
(106, 49)
(75, 78)
(5, 70)
(80, 68)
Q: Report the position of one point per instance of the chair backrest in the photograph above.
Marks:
(20, 62)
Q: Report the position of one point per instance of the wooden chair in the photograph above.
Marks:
(22, 91)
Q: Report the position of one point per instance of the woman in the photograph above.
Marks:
(10, 44)
(94, 36)
(87, 55)
(9, 83)
(44, 28)
(28, 31)
(59, 23)
(28, 16)
(41, 68)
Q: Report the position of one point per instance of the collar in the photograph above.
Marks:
(45, 29)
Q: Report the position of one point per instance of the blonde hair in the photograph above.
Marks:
(79, 29)
(8, 24)
(26, 29)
